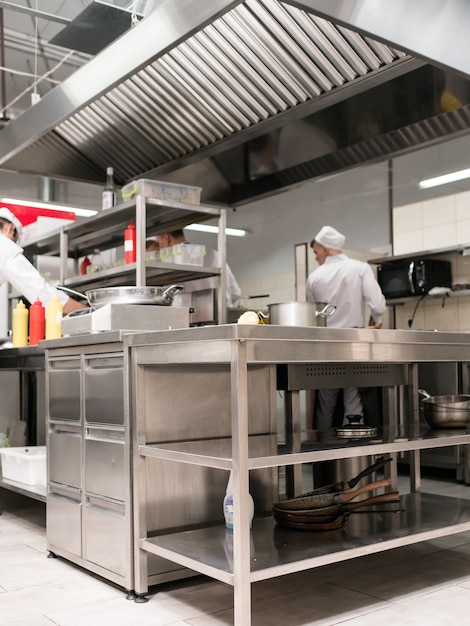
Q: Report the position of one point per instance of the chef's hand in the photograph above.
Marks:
(373, 324)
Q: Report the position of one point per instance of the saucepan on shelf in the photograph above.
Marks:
(162, 296)
(446, 411)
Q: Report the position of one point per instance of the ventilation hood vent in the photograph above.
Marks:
(241, 98)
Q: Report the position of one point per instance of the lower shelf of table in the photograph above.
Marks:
(37, 492)
(276, 550)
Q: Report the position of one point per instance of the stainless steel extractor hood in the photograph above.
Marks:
(245, 98)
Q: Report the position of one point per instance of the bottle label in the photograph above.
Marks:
(109, 199)
(128, 245)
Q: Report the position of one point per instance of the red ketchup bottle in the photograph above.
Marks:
(130, 244)
(37, 323)
(84, 265)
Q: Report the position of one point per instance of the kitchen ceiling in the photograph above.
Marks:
(244, 98)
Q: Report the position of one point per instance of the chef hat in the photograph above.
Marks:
(9, 217)
(330, 238)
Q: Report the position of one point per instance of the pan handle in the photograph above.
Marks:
(72, 292)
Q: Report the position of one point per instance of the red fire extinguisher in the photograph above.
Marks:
(130, 244)
(37, 323)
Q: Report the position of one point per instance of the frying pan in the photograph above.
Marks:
(334, 524)
(162, 296)
(346, 485)
(322, 514)
(320, 500)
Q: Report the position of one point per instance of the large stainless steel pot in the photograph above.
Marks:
(300, 313)
(446, 411)
(162, 296)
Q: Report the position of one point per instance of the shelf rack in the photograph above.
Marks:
(106, 231)
(241, 557)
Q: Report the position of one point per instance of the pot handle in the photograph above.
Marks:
(424, 393)
(327, 310)
(169, 293)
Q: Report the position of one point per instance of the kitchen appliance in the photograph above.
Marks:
(300, 313)
(413, 277)
(115, 316)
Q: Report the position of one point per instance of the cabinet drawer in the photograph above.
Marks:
(64, 454)
(64, 528)
(104, 391)
(64, 390)
(105, 468)
(107, 537)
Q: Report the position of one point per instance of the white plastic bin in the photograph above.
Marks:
(24, 465)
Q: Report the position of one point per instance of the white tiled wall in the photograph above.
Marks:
(432, 225)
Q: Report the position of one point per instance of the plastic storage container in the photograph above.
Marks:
(24, 465)
(162, 191)
(166, 255)
(188, 253)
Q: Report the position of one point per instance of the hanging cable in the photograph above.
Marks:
(411, 319)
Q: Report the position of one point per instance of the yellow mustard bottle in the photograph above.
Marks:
(20, 325)
(54, 314)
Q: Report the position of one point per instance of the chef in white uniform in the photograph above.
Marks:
(351, 286)
(19, 272)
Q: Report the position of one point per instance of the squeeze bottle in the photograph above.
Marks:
(20, 325)
(228, 505)
(130, 244)
(54, 313)
(37, 323)
(84, 265)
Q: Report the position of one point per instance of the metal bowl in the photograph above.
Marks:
(446, 411)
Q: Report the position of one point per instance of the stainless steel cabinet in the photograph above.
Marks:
(89, 500)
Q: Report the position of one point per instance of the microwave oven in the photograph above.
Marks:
(413, 277)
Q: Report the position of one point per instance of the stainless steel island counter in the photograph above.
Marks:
(224, 383)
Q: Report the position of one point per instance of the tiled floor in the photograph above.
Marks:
(426, 583)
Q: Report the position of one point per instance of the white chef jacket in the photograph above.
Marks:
(18, 271)
(350, 285)
(211, 259)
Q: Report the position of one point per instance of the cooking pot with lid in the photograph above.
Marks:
(300, 313)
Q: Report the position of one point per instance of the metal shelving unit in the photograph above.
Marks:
(106, 231)
(245, 556)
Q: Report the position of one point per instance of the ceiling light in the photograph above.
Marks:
(206, 228)
(53, 207)
(444, 179)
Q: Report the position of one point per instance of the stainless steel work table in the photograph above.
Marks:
(301, 358)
